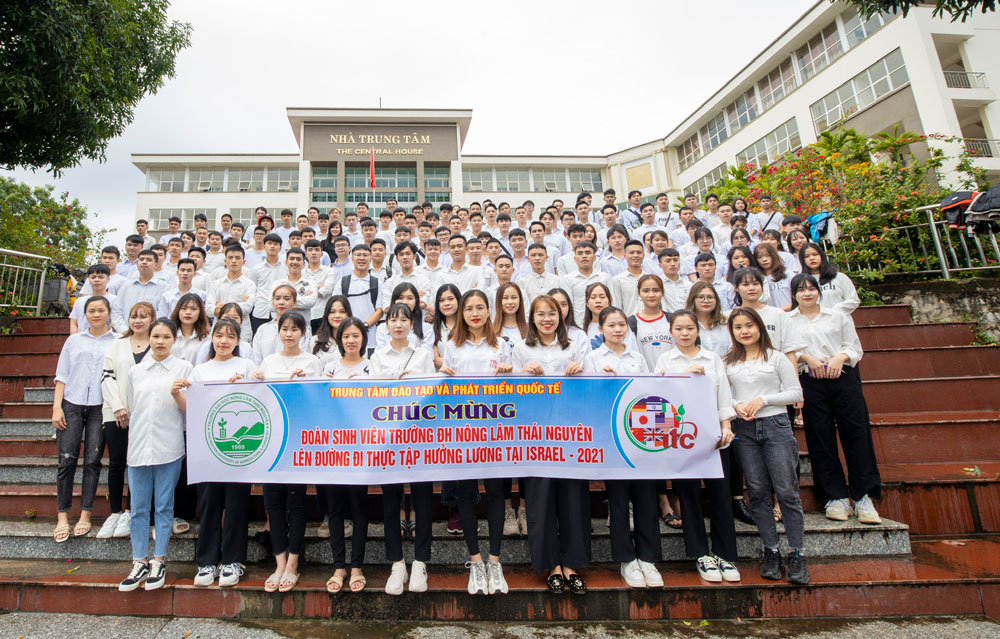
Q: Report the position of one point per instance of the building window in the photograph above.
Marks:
(206, 180)
(166, 180)
(385, 178)
(777, 84)
(588, 180)
(512, 180)
(772, 146)
(742, 111)
(690, 151)
(324, 177)
(437, 196)
(324, 196)
(883, 77)
(477, 180)
(550, 180)
(715, 132)
(820, 52)
(702, 186)
(858, 28)
(246, 179)
(158, 218)
(282, 179)
(245, 217)
(437, 178)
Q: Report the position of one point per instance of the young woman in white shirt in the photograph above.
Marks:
(834, 406)
(597, 297)
(773, 238)
(77, 412)
(474, 349)
(779, 279)
(192, 326)
(343, 500)
(750, 286)
(324, 342)
(574, 332)
(422, 333)
(223, 507)
(230, 311)
(637, 552)
(558, 510)
(266, 340)
(704, 302)
(510, 324)
(286, 503)
(445, 315)
(156, 447)
(717, 563)
(394, 360)
(838, 289)
(796, 239)
(764, 383)
(119, 359)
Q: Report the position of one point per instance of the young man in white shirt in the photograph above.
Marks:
(609, 218)
(576, 283)
(625, 286)
(185, 275)
(519, 252)
(503, 231)
(582, 210)
(309, 235)
(460, 273)
(363, 290)
(537, 280)
(691, 201)
(475, 226)
(351, 229)
(164, 276)
(405, 271)
(380, 266)
(648, 214)
(432, 268)
(127, 267)
(234, 286)
(682, 235)
(522, 219)
(201, 279)
(286, 227)
(503, 270)
(109, 258)
(554, 239)
(173, 230)
(255, 254)
(385, 229)
(144, 288)
(98, 277)
(215, 258)
(613, 262)
(268, 271)
(142, 230)
(631, 217)
(567, 263)
(537, 235)
(768, 218)
(664, 216)
(306, 289)
(490, 225)
(201, 238)
(724, 228)
(174, 246)
(226, 225)
(322, 277)
(675, 287)
(312, 219)
(711, 217)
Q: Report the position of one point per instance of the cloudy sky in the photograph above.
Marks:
(546, 77)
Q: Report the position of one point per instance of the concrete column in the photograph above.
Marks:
(341, 184)
(305, 182)
(420, 181)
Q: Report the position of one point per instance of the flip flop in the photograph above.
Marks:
(288, 581)
(673, 521)
(61, 533)
(180, 526)
(776, 511)
(334, 584)
(358, 583)
(81, 528)
(271, 583)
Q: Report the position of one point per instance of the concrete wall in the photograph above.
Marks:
(976, 299)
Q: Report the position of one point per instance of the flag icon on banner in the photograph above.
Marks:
(648, 422)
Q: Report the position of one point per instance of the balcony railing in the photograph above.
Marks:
(22, 281)
(965, 80)
(983, 147)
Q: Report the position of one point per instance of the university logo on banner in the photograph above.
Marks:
(238, 429)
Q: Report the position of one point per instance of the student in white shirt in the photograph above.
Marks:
(834, 406)
(397, 359)
(223, 506)
(738, 237)
(576, 282)
(650, 325)
(675, 287)
(764, 384)
(838, 289)
(77, 415)
(773, 238)
(706, 270)
(352, 350)
(473, 348)
(718, 563)
(445, 316)
(233, 286)
(98, 276)
(558, 510)
(266, 340)
(231, 311)
(422, 333)
(324, 343)
(192, 326)
(510, 323)
(704, 242)
(749, 289)
(636, 553)
(779, 279)
(704, 302)
(155, 451)
(576, 334)
(624, 289)
(796, 239)
(767, 219)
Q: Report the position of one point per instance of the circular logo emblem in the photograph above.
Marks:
(238, 429)
(654, 425)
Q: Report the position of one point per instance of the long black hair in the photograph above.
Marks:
(801, 281)
(827, 271)
(231, 325)
(439, 324)
(348, 322)
(418, 315)
(326, 333)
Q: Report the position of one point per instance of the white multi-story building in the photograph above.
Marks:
(830, 68)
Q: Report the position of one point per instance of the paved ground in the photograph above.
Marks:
(44, 626)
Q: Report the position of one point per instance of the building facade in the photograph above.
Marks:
(830, 68)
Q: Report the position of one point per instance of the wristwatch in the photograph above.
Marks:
(366, 325)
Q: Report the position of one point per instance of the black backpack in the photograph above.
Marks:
(345, 287)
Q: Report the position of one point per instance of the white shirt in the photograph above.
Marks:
(629, 362)
(306, 291)
(611, 264)
(474, 359)
(826, 335)
(216, 371)
(82, 325)
(576, 284)
(382, 336)
(839, 294)
(187, 348)
(80, 365)
(331, 354)
(253, 258)
(466, 278)
(263, 276)
(625, 292)
(131, 294)
(156, 425)
(246, 352)
(173, 295)
(340, 370)
(322, 279)
(773, 379)
(779, 293)
(652, 338)
(718, 340)
(115, 281)
(118, 361)
(388, 362)
(553, 358)
(278, 366)
(675, 293)
(419, 280)
(783, 337)
(674, 362)
(759, 222)
(640, 231)
(266, 340)
(533, 284)
(359, 294)
(241, 291)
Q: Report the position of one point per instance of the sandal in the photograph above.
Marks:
(556, 584)
(81, 528)
(272, 582)
(61, 533)
(334, 584)
(180, 526)
(673, 521)
(288, 581)
(776, 511)
(577, 585)
(358, 583)
(404, 528)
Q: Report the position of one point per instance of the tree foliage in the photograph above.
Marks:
(957, 9)
(72, 73)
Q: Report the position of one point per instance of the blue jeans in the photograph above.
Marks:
(154, 484)
(770, 457)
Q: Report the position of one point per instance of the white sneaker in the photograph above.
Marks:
(477, 577)
(650, 574)
(509, 522)
(230, 574)
(108, 527)
(838, 509)
(522, 521)
(495, 580)
(418, 577)
(728, 570)
(866, 511)
(708, 569)
(206, 576)
(397, 578)
(632, 574)
(124, 527)
(157, 575)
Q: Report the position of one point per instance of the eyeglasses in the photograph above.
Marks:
(705, 298)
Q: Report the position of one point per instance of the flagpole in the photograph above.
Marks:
(372, 171)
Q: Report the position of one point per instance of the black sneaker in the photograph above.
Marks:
(157, 575)
(771, 568)
(140, 572)
(741, 512)
(798, 571)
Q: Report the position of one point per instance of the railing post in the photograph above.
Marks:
(41, 289)
(937, 245)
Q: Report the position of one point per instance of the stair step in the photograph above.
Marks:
(928, 362)
(884, 314)
(938, 579)
(915, 335)
(24, 427)
(43, 325)
(34, 447)
(922, 395)
(12, 386)
(32, 343)
(40, 394)
(28, 365)
(38, 470)
(29, 410)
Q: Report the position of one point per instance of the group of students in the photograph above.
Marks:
(770, 340)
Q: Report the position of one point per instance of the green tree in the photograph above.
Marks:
(71, 74)
(956, 9)
(847, 142)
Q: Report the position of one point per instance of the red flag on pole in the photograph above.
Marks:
(371, 170)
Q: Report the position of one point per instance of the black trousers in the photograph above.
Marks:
(185, 495)
(286, 507)
(832, 408)
(736, 475)
(117, 439)
(720, 513)
(222, 540)
(644, 543)
(421, 496)
(344, 501)
(315, 324)
(468, 491)
(558, 515)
